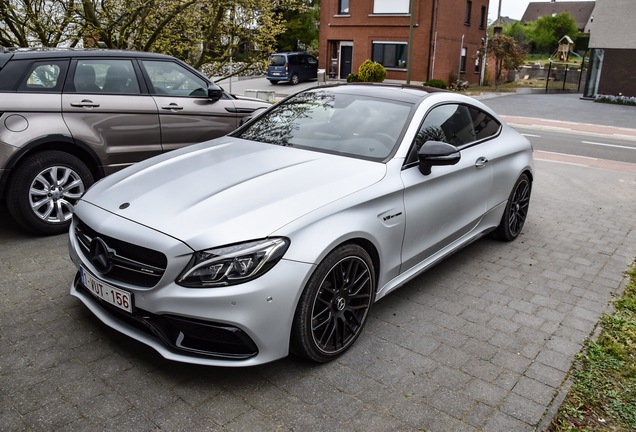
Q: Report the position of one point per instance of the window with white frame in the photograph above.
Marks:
(390, 54)
(390, 6)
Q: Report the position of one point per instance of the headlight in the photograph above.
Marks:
(234, 264)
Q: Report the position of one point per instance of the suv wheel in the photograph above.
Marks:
(294, 79)
(44, 189)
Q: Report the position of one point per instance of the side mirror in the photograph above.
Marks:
(214, 92)
(437, 153)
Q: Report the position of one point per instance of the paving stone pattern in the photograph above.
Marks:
(483, 341)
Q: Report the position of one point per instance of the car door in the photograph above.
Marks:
(186, 114)
(448, 203)
(312, 67)
(106, 107)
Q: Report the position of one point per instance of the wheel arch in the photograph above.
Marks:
(53, 142)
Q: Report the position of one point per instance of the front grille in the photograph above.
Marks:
(184, 335)
(131, 263)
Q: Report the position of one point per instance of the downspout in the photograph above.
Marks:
(432, 39)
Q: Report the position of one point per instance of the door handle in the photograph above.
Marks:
(85, 103)
(173, 107)
(481, 162)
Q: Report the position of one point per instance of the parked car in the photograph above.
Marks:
(280, 236)
(293, 67)
(70, 117)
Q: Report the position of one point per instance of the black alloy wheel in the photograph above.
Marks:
(335, 305)
(516, 211)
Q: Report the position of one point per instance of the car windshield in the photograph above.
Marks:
(333, 122)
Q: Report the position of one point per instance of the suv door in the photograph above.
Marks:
(186, 113)
(107, 107)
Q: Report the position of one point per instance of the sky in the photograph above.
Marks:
(510, 8)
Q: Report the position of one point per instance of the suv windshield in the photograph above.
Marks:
(339, 123)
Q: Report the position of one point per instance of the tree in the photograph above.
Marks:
(198, 31)
(301, 28)
(546, 31)
(506, 53)
(520, 33)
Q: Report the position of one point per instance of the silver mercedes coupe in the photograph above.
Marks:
(280, 236)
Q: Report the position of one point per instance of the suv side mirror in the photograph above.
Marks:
(214, 92)
(437, 153)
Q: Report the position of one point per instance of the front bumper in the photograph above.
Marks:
(241, 325)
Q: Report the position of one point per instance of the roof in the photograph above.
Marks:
(503, 21)
(30, 53)
(581, 11)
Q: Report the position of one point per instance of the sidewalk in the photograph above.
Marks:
(482, 342)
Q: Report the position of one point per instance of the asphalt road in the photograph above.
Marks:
(600, 147)
(562, 107)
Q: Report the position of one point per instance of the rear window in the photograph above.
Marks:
(277, 60)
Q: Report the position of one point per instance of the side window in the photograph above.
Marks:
(293, 60)
(44, 77)
(312, 60)
(168, 78)
(447, 123)
(105, 76)
(485, 126)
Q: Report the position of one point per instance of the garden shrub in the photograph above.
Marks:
(353, 78)
(437, 83)
(370, 71)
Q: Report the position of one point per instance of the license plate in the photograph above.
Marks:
(115, 296)
(277, 74)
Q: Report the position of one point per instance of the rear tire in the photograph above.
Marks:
(334, 306)
(294, 79)
(43, 190)
(516, 210)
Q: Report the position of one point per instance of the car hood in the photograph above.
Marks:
(230, 190)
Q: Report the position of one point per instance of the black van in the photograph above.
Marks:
(293, 67)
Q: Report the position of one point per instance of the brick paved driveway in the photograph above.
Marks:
(481, 342)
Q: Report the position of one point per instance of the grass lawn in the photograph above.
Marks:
(603, 394)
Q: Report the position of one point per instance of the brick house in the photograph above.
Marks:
(613, 50)
(447, 37)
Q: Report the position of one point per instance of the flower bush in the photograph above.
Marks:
(620, 99)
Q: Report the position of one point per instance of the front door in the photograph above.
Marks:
(346, 55)
(186, 114)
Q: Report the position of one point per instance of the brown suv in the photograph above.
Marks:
(70, 117)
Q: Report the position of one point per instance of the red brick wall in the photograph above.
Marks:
(362, 28)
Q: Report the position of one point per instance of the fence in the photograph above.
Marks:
(557, 76)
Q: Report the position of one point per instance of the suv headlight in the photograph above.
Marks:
(233, 264)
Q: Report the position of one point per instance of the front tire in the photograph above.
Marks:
(516, 210)
(335, 304)
(44, 189)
